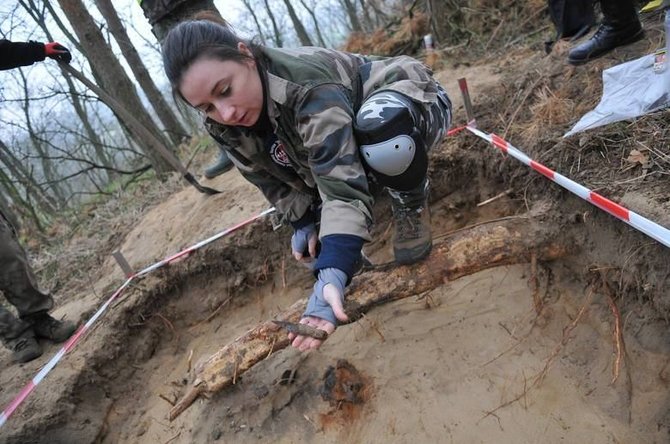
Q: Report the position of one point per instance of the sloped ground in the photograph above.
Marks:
(470, 361)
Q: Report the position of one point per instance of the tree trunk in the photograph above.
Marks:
(353, 18)
(275, 28)
(25, 178)
(463, 253)
(14, 196)
(19, 203)
(41, 152)
(435, 13)
(113, 78)
(312, 14)
(38, 15)
(174, 128)
(297, 24)
(252, 11)
(169, 13)
(369, 26)
(92, 135)
(380, 16)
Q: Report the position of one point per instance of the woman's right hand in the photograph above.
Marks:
(304, 240)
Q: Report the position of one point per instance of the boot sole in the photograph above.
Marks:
(636, 37)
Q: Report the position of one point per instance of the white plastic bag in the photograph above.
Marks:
(630, 89)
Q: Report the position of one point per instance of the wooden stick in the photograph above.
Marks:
(123, 264)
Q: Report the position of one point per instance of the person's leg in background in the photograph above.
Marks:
(395, 135)
(621, 26)
(17, 283)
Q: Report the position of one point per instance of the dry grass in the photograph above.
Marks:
(66, 264)
(548, 108)
(403, 38)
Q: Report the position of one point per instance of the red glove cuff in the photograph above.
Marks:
(54, 48)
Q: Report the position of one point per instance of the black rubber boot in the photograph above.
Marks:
(621, 26)
(221, 166)
(24, 348)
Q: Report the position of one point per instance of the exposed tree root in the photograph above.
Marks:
(460, 254)
(617, 330)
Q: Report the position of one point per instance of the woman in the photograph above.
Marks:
(312, 128)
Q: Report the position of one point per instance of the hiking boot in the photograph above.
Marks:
(620, 27)
(25, 348)
(603, 41)
(47, 327)
(412, 240)
(221, 166)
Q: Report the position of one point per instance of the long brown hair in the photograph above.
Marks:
(207, 36)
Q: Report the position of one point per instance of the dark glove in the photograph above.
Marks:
(303, 240)
(57, 51)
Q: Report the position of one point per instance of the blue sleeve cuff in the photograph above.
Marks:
(341, 251)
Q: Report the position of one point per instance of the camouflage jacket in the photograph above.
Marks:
(313, 96)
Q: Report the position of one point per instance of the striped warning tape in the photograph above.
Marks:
(648, 227)
(640, 223)
(79, 334)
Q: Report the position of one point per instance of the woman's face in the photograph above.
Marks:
(228, 92)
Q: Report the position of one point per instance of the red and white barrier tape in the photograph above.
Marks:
(640, 223)
(76, 337)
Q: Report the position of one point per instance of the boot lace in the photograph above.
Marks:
(600, 31)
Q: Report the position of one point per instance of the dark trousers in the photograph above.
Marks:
(17, 283)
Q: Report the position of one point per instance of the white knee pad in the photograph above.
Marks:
(389, 140)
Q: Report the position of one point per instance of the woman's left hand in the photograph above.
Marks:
(331, 295)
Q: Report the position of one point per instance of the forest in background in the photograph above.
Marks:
(62, 146)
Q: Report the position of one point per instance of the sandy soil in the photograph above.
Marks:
(441, 367)
(470, 361)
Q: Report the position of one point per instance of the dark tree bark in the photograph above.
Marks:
(275, 28)
(369, 25)
(113, 78)
(252, 11)
(174, 128)
(8, 188)
(350, 8)
(164, 18)
(297, 24)
(21, 174)
(41, 151)
(22, 205)
(39, 16)
(317, 28)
